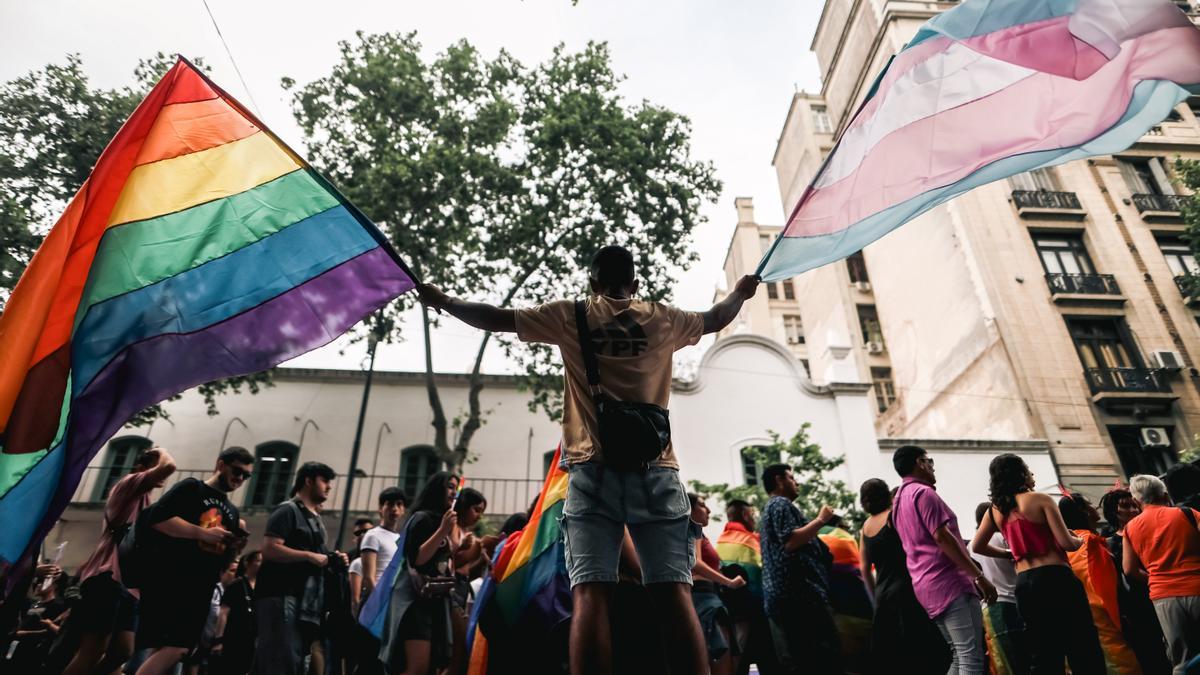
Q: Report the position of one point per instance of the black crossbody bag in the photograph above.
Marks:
(631, 434)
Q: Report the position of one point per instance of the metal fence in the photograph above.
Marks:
(504, 495)
(1091, 284)
(1046, 199)
(1127, 380)
(1166, 203)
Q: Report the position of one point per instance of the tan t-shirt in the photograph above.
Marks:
(634, 342)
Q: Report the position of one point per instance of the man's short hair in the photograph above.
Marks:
(236, 454)
(364, 521)
(311, 470)
(393, 495)
(904, 459)
(613, 268)
(735, 510)
(1148, 489)
(771, 474)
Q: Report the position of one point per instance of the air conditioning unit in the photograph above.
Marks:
(1155, 437)
(1167, 360)
(874, 347)
(792, 340)
(863, 286)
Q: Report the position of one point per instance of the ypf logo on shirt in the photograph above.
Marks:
(620, 337)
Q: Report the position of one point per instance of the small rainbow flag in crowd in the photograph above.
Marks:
(984, 91)
(200, 247)
(528, 595)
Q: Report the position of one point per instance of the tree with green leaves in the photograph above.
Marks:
(811, 468)
(53, 126)
(498, 181)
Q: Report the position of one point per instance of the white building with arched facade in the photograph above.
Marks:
(744, 387)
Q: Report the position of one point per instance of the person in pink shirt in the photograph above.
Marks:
(945, 580)
(107, 611)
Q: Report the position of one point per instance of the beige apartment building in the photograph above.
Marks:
(1038, 312)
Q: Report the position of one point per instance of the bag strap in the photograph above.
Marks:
(319, 531)
(585, 344)
(1191, 517)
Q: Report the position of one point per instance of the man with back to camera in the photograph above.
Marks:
(634, 341)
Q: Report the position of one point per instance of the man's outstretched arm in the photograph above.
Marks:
(725, 311)
(477, 314)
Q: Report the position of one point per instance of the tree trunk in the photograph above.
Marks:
(440, 444)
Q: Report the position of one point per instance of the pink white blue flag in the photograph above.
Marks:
(987, 90)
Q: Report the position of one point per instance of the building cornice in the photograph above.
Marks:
(790, 362)
(968, 445)
(415, 378)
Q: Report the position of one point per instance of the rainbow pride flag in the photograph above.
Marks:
(984, 91)
(528, 595)
(200, 247)
(739, 546)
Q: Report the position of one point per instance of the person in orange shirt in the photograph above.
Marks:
(1162, 546)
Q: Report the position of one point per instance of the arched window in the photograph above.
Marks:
(417, 464)
(755, 458)
(274, 467)
(121, 453)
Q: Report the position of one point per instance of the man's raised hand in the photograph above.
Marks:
(747, 286)
(432, 296)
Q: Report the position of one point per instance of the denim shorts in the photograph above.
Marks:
(653, 504)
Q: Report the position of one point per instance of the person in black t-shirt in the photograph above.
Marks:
(288, 607)
(194, 532)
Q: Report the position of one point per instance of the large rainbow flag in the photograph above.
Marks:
(528, 595)
(739, 546)
(987, 90)
(200, 247)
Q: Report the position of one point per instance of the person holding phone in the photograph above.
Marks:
(196, 533)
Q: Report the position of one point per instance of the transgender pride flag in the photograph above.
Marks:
(986, 90)
(199, 248)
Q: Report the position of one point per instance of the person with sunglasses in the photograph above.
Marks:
(196, 533)
(947, 583)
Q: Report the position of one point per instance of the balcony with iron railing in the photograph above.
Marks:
(1084, 289)
(1129, 390)
(1048, 204)
(1159, 206)
(1184, 283)
(504, 495)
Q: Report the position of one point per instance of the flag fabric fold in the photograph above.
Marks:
(200, 247)
(984, 91)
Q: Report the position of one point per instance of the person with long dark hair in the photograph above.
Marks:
(1051, 600)
(470, 561)
(418, 634)
(715, 619)
(903, 637)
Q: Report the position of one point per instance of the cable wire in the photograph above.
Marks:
(233, 61)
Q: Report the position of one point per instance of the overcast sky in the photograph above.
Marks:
(731, 67)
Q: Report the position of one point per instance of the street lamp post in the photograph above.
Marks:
(378, 439)
(225, 436)
(372, 343)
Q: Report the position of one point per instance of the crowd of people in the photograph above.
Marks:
(172, 588)
(1040, 587)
